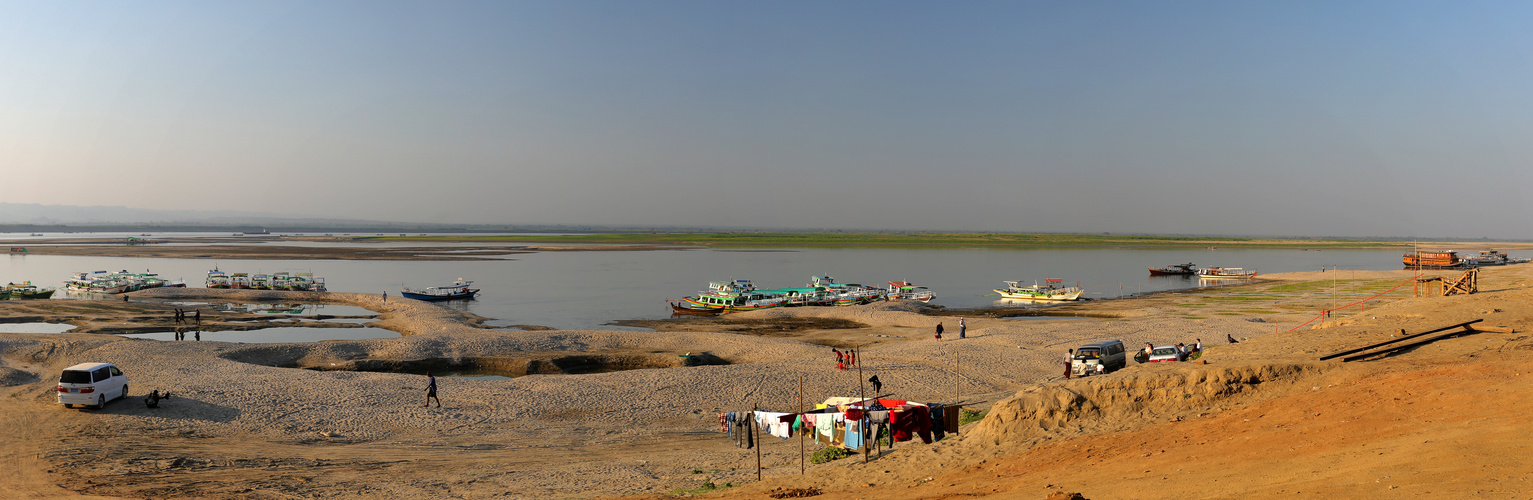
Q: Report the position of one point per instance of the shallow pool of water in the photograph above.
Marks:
(274, 335)
(35, 327)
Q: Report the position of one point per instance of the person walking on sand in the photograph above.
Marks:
(198, 315)
(939, 331)
(1069, 358)
(962, 328)
(840, 359)
(431, 391)
(385, 297)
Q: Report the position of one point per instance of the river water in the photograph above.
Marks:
(587, 289)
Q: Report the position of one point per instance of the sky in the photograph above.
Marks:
(1303, 118)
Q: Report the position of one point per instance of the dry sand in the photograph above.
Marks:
(247, 423)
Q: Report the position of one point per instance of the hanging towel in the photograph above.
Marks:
(853, 439)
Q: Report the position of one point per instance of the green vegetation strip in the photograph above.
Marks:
(905, 239)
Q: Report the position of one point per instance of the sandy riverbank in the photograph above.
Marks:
(247, 423)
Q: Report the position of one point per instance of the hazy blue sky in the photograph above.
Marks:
(1220, 117)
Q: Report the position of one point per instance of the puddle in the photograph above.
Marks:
(274, 335)
(35, 327)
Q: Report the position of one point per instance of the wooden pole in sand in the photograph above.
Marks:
(862, 392)
(801, 430)
(756, 430)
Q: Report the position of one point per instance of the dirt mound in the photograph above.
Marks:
(1096, 403)
(12, 376)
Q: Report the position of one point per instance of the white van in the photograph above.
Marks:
(1108, 354)
(91, 384)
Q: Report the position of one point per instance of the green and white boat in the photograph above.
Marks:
(1049, 290)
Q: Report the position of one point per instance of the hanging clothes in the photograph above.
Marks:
(938, 430)
(853, 438)
(772, 423)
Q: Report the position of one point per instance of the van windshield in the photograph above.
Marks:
(74, 377)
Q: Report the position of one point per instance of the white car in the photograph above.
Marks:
(91, 384)
(1165, 353)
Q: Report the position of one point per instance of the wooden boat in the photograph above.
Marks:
(217, 279)
(1447, 259)
(239, 280)
(735, 296)
(1174, 270)
(680, 307)
(905, 290)
(1225, 273)
(26, 290)
(1050, 290)
(457, 290)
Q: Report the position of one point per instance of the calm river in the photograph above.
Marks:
(585, 290)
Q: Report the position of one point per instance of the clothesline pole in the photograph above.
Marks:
(863, 394)
(756, 430)
(801, 466)
(957, 379)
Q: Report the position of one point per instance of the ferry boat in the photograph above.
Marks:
(1050, 290)
(239, 280)
(260, 281)
(1225, 273)
(217, 279)
(26, 290)
(457, 290)
(730, 296)
(1492, 258)
(1446, 259)
(846, 294)
(1174, 270)
(905, 290)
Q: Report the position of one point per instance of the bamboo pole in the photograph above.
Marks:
(801, 466)
(862, 393)
(756, 431)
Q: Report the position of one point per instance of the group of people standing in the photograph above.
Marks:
(963, 328)
(845, 359)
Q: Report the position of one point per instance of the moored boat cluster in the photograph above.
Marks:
(118, 282)
(261, 281)
(742, 295)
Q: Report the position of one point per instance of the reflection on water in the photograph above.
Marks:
(273, 335)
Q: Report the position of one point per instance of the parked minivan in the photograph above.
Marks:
(1110, 354)
(91, 384)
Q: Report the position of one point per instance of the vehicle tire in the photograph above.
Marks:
(124, 394)
(101, 402)
(67, 405)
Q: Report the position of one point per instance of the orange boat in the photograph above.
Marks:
(1433, 260)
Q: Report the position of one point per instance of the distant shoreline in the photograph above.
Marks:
(986, 240)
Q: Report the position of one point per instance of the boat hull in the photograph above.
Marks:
(1163, 272)
(1075, 295)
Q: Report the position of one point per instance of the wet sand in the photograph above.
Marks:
(249, 421)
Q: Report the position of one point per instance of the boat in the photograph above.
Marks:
(1491, 258)
(846, 294)
(1174, 270)
(905, 290)
(1445, 259)
(26, 290)
(734, 296)
(1050, 290)
(682, 307)
(217, 279)
(457, 290)
(239, 280)
(1225, 273)
(260, 281)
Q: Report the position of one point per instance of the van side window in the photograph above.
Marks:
(116, 372)
(99, 374)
